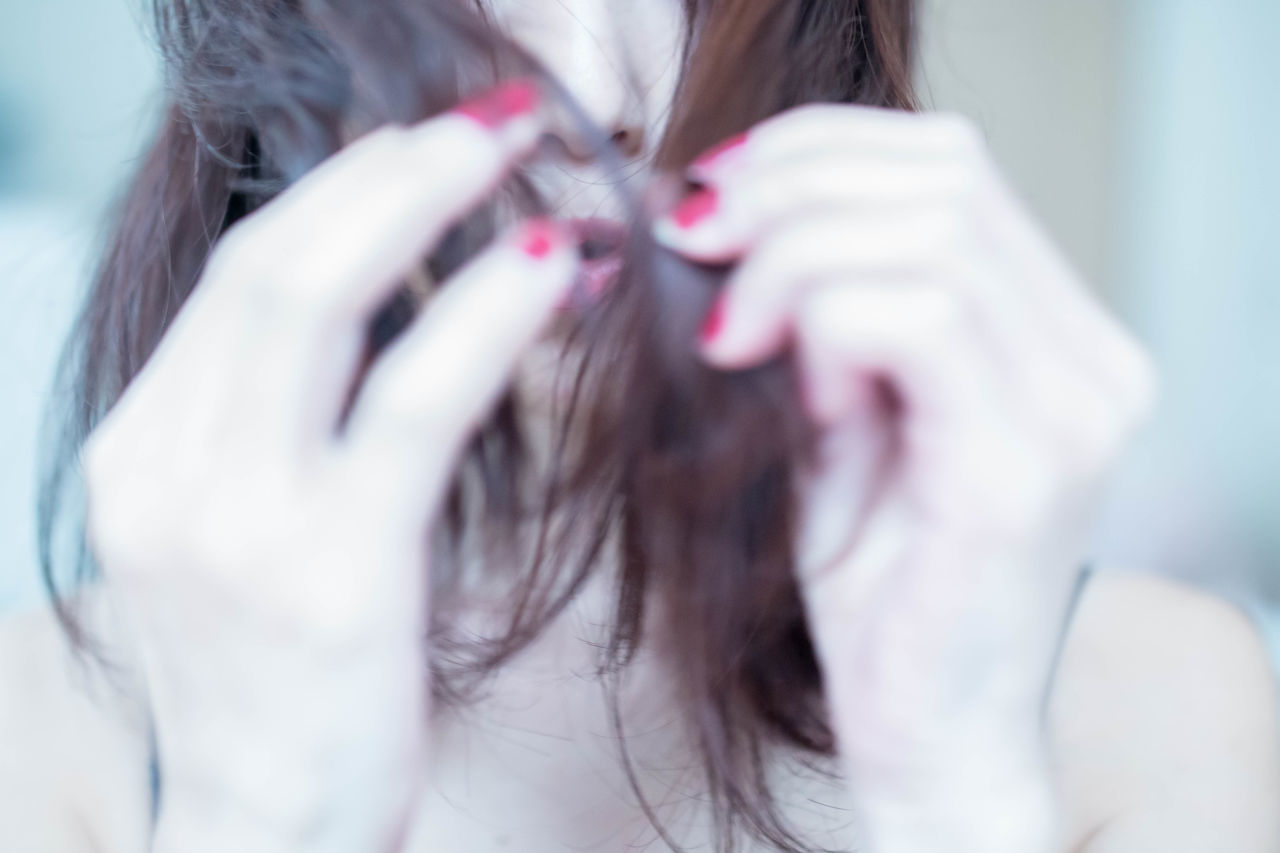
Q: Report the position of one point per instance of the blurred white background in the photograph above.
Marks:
(1141, 132)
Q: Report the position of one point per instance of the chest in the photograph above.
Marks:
(535, 763)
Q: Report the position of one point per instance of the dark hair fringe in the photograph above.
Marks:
(692, 467)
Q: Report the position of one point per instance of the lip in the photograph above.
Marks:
(601, 241)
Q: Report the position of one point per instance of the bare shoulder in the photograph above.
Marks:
(74, 772)
(1165, 722)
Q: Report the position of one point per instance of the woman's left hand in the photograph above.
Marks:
(971, 394)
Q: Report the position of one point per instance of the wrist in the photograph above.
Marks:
(1020, 822)
(344, 805)
(984, 806)
(315, 769)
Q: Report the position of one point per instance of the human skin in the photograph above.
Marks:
(946, 525)
(895, 252)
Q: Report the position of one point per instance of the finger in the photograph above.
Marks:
(948, 417)
(809, 129)
(1029, 337)
(307, 272)
(831, 156)
(753, 316)
(720, 221)
(426, 395)
(856, 460)
(1028, 360)
(910, 152)
(1069, 310)
(955, 417)
(919, 336)
(346, 232)
(961, 406)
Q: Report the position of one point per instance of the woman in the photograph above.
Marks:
(799, 580)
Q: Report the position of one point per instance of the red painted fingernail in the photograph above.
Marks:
(697, 206)
(503, 103)
(720, 154)
(714, 321)
(538, 238)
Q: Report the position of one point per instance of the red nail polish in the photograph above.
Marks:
(538, 238)
(720, 154)
(697, 206)
(714, 321)
(503, 103)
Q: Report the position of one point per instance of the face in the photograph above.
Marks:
(620, 60)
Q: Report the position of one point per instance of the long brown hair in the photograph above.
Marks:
(692, 468)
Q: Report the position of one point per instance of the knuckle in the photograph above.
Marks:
(416, 403)
(254, 258)
(1072, 414)
(185, 533)
(1088, 430)
(375, 146)
(1004, 483)
(974, 183)
(823, 318)
(769, 263)
(244, 250)
(124, 528)
(96, 461)
(959, 133)
(1147, 398)
(938, 240)
(1142, 382)
(150, 511)
(130, 531)
(824, 329)
(292, 294)
(805, 114)
(381, 140)
(247, 265)
(270, 284)
(225, 534)
(464, 145)
(961, 183)
(794, 240)
(1089, 436)
(951, 223)
(940, 312)
(450, 130)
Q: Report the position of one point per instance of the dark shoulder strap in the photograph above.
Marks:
(153, 774)
(1068, 618)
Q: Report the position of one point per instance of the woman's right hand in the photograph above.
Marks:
(272, 565)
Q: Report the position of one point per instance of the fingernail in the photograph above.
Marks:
(719, 155)
(696, 207)
(713, 323)
(538, 238)
(503, 103)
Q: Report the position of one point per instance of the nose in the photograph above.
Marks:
(580, 43)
